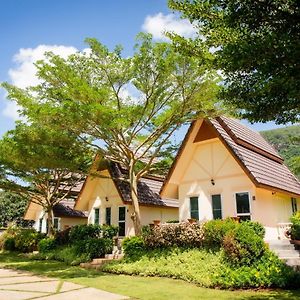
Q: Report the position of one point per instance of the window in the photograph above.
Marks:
(108, 216)
(216, 206)
(56, 223)
(294, 205)
(40, 224)
(243, 206)
(96, 216)
(122, 220)
(194, 208)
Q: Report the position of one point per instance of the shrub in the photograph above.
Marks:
(133, 247)
(96, 247)
(109, 231)
(266, 272)
(242, 246)
(295, 228)
(62, 237)
(257, 227)
(26, 240)
(181, 235)
(9, 244)
(91, 231)
(46, 245)
(215, 230)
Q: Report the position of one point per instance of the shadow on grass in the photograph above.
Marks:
(46, 267)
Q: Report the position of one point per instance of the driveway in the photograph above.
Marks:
(17, 285)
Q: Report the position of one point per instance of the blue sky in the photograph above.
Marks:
(28, 28)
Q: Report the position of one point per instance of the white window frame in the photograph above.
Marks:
(250, 204)
(211, 202)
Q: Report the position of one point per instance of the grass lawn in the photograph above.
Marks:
(153, 288)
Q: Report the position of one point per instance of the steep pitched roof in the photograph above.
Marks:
(66, 209)
(258, 159)
(148, 188)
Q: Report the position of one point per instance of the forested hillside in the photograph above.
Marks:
(287, 142)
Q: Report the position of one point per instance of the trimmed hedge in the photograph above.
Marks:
(295, 228)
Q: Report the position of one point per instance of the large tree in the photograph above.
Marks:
(41, 164)
(128, 108)
(256, 43)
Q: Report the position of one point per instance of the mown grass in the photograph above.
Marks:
(146, 288)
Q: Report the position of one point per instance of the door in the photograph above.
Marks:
(122, 220)
(243, 209)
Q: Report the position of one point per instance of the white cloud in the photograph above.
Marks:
(23, 74)
(158, 24)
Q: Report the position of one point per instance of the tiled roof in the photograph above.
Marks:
(66, 209)
(148, 188)
(264, 168)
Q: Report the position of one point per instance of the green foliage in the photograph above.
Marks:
(287, 142)
(89, 231)
(242, 246)
(256, 45)
(295, 228)
(46, 245)
(12, 209)
(94, 247)
(25, 240)
(193, 265)
(215, 230)
(258, 228)
(181, 235)
(266, 272)
(62, 237)
(133, 247)
(9, 244)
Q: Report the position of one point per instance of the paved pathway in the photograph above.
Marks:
(17, 285)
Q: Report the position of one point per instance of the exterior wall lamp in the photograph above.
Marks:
(212, 182)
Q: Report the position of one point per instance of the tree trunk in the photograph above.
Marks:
(136, 215)
(50, 220)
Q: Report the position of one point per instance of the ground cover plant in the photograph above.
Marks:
(219, 253)
(136, 287)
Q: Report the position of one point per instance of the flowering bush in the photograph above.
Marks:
(180, 235)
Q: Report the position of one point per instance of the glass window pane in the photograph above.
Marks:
(108, 215)
(121, 213)
(121, 228)
(55, 223)
(97, 216)
(217, 206)
(294, 205)
(242, 203)
(194, 209)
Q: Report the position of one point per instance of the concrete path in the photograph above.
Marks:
(17, 285)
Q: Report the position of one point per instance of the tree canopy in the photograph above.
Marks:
(127, 108)
(256, 44)
(41, 164)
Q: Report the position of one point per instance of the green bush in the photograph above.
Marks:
(242, 246)
(9, 244)
(295, 228)
(257, 227)
(62, 237)
(133, 247)
(46, 245)
(91, 231)
(215, 230)
(96, 247)
(26, 240)
(181, 235)
(267, 272)
(109, 231)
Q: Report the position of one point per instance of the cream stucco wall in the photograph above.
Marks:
(100, 192)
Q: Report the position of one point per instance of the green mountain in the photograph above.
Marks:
(286, 141)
